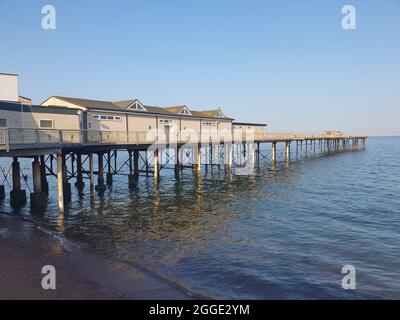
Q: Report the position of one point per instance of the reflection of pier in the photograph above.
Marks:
(69, 154)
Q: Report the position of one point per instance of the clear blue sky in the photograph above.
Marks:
(286, 63)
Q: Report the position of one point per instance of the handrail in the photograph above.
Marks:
(22, 136)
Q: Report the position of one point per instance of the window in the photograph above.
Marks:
(106, 117)
(3, 123)
(208, 123)
(46, 124)
(137, 106)
(166, 121)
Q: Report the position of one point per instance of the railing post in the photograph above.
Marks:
(7, 139)
(37, 136)
(60, 137)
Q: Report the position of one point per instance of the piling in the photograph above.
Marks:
(18, 196)
(37, 196)
(109, 176)
(79, 175)
(100, 174)
(45, 184)
(60, 182)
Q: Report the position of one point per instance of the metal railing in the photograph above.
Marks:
(16, 137)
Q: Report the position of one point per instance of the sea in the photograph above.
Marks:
(299, 229)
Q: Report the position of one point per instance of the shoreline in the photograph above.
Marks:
(25, 248)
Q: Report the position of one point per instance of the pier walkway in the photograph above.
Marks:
(68, 154)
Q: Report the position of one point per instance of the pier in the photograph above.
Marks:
(68, 155)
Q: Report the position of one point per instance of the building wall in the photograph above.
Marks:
(8, 87)
(225, 125)
(31, 120)
(257, 129)
(141, 123)
(106, 125)
(191, 124)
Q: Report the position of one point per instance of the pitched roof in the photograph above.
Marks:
(122, 106)
(91, 104)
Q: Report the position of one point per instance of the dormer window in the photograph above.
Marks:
(137, 106)
(220, 114)
(185, 110)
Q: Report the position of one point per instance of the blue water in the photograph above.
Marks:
(283, 233)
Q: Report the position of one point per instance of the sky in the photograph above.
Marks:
(286, 63)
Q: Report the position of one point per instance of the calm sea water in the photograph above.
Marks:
(283, 233)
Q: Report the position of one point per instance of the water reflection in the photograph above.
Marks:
(284, 229)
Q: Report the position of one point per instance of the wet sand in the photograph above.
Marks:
(25, 248)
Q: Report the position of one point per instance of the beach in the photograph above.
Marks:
(26, 248)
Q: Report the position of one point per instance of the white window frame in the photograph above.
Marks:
(137, 106)
(167, 121)
(185, 110)
(52, 124)
(220, 114)
(209, 123)
(106, 117)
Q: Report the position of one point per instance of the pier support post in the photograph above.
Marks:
(109, 177)
(273, 152)
(287, 150)
(45, 184)
(177, 161)
(100, 176)
(155, 160)
(18, 196)
(60, 182)
(38, 199)
(251, 148)
(131, 177)
(229, 156)
(197, 157)
(79, 176)
(91, 172)
(2, 192)
(136, 164)
(66, 184)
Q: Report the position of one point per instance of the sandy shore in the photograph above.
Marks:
(26, 248)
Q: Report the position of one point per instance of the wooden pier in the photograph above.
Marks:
(148, 153)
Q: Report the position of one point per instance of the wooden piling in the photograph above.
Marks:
(109, 177)
(18, 196)
(100, 175)
(273, 152)
(60, 182)
(136, 164)
(91, 172)
(155, 160)
(45, 184)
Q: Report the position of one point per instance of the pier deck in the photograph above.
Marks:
(146, 152)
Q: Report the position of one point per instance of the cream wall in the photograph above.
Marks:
(106, 125)
(141, 123)
(257, 129)
(32, 119)
(225, 125)
(191, 124)
(9, 87)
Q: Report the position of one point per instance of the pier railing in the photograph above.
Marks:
(17, 138)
